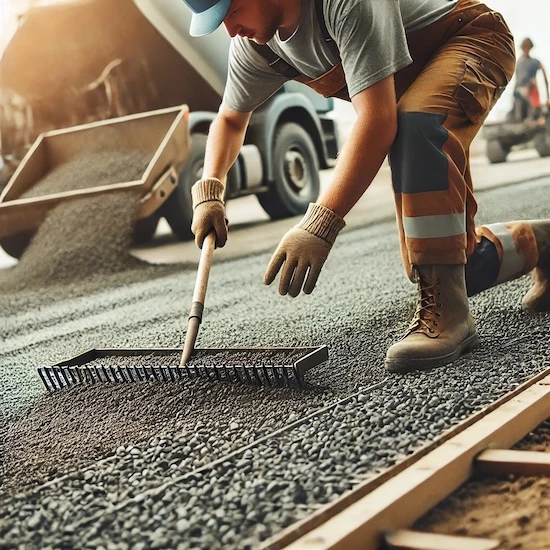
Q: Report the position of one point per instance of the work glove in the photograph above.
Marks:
(303, 251)
(208, 211)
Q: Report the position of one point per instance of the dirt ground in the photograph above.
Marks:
(515, 510)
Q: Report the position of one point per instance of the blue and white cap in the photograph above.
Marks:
(208, 15)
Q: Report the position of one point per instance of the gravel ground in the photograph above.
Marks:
(134, 464)
(515, 510)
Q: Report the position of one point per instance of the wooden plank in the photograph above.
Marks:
(507, 462)
(405, 539)
(400, 501)
(317, 518)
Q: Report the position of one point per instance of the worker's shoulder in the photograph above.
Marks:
(341, 11)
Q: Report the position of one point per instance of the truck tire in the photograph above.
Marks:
(296, 173)
(15, 245)
(145, 230)
(497, 151)
(178, 209)
(542, 143)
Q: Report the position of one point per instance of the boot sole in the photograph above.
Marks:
(403, 366)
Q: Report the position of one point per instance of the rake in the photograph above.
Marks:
(276, 367)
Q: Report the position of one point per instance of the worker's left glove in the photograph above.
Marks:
(303, 251)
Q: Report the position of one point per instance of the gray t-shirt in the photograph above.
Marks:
(526, 71)
(369, 34)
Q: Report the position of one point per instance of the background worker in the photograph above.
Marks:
(527, 101)
(422, 76)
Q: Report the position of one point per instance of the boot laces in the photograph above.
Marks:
(425, 315)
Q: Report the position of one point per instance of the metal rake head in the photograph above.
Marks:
(86, 369)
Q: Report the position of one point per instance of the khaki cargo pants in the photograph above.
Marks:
(462, 63)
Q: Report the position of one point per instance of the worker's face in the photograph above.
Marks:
(526, 46)
(256, 20)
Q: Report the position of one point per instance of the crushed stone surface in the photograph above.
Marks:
(135, 463)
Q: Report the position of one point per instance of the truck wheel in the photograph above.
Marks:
(296, 173)
(542, 143)
(496, 151)
(145, 230)
(15, 245)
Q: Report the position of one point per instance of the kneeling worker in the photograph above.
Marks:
(422, 76)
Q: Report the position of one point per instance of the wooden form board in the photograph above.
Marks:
(317, 518)
(414, 540)
(401, 500)
(507, 462)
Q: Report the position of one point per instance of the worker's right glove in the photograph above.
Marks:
(303, 251)
(208, 211)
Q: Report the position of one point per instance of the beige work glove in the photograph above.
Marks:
(303, 251)
(208, 211)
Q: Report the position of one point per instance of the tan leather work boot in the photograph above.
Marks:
(442, 328)
(538, 297)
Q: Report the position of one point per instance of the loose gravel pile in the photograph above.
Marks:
(156, 485)
(100, 165)
(83, 237)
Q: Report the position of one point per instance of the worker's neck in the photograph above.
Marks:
(291, 11)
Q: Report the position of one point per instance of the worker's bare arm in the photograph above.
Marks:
(366, 147)
(225, 140)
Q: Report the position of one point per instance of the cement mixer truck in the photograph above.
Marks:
(142, 60)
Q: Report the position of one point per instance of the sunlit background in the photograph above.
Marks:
(526, 18)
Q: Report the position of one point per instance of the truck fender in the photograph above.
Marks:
(285, 107)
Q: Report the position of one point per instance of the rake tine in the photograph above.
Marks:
(57, 373)
(238, 373)
(97, 374)
(42, 373)
(51, 378)
(69, 373)
(87, 375)
(277, 378)
(298, 378)
(217, 372)
(106, 373)
(265, 372)
(64, 377)
(153, 374)
(174, 372)
(80, 376)
(188, 370)
(286, 380)
(257, 376)
(117, 374)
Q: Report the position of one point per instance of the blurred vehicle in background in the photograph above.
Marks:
(528, 122)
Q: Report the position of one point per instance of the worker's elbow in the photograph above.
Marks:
(234, 120)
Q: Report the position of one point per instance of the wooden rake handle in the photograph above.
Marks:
(197, 307)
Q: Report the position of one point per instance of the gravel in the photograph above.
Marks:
(86, 237)
(205, 465)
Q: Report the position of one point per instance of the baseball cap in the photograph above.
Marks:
(208, 15)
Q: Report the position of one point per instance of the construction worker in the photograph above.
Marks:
(527, 102)
(422, 76)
